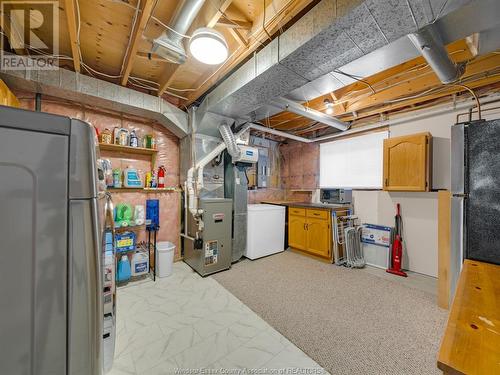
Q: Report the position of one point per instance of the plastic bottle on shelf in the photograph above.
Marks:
(124, 271)
(106, 136)
(117, 178)
(140, 263)
(123, 137)
(154, 180)
(139, 214)
(131, 178)
(134, 141)
(147, 183)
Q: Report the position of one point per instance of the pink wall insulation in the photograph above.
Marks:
(168, 155)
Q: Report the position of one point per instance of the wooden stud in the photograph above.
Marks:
(69, 6)
(239, 38)
(151, 57)
(234, 24)
(219, 14)
(136, 35)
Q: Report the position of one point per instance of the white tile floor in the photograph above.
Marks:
(185, 322)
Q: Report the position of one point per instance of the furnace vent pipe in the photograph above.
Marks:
(429, 44)
(169, 44)
(229, 140)
(299, 109)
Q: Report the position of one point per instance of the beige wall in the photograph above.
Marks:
(419, 210)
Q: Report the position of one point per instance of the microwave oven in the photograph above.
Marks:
(336, 196)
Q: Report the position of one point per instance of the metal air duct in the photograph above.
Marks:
(229, 140)
(429, 43)
(299, 109)
(169, 44)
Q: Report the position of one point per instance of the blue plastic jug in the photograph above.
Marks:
(123, 273)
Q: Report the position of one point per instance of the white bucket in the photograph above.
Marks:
(165, 258)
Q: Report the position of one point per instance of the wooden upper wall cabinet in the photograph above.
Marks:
(407, 163)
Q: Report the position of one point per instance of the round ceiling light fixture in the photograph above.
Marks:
(328, 106)
(208, 46)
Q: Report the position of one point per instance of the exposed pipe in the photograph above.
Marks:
(424, 113)
(299, 109)
(169, 44)
(428, 42)
(198, 167)
(229, 140)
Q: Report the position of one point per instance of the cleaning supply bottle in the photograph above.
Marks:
(148, 180)
(140, 263)
(117, 178)
(154, 180)
(124, 271)
(131, 178)
(123, 137)
(134, 141)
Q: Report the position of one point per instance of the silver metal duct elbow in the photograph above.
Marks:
(297, 108)
(429, 44)
(169, 44)
(229, 140)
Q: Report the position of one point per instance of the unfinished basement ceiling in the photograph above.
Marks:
(297, 53)
(109, 30)
(402, 87)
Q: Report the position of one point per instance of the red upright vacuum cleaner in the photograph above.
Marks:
(397, 246)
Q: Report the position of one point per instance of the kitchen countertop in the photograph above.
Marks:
(308, 204)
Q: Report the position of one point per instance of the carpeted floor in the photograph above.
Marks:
(348, 321)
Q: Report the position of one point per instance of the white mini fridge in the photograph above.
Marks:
(266, 230)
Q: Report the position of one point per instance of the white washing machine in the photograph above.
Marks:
(266, 230)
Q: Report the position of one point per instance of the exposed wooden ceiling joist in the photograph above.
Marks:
(136, 35)
(219, 14)
(71, 19)
(239, 38)
(234, 24)
(406, 85)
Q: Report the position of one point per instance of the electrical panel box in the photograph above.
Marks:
(263, 170)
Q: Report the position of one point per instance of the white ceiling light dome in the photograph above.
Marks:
(208, 46)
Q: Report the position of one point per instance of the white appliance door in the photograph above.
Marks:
(266, 231)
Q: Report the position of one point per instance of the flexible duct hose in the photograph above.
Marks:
(229, 140)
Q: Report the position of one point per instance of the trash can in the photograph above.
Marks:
(165, 258)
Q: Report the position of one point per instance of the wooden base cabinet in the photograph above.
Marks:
(297, 233)
(309, 230)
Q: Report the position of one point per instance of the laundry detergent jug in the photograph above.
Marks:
(124, 272)
(140, 263)
(131, 178)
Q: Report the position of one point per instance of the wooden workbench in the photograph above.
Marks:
(471, 343)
